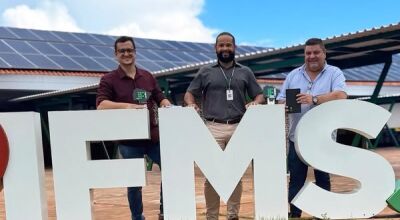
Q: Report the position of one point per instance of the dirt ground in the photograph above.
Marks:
(111, 204)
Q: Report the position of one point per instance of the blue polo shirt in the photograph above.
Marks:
(330, 79)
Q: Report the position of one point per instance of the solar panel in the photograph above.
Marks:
(67, 37)
(177, 45)
(259, 48)
(3, 64)
(47, 36)
(6, 34)
(199, 56)
(166, 65)
(16, 61)
(145, 43)
(179, 63)
(241, 50)
(197, 47)
(21, 46)
(164, 45)
(37, 49)
(209, 47)
(107, 62)
(88, 63)
(210, 56)
(5, 48)
(44, 48)
(25, 34)
(42, 61)
(107, 40)
(188, 46)
(186, 57)
(66, 63)
(67, 49)
(150, 55)
(140, 56)
(88, 50)
(168, 55)
(87, 38)
(148, 65)
(106, 50)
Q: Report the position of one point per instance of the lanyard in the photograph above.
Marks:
(226, 78)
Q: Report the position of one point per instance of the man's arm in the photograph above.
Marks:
(282, 101)
(190, 101)
(335, 95)
(304, 98)
(259, 99)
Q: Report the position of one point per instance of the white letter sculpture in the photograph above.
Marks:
(74, 173)
(24, 185)
(316, 148)
(260, 137)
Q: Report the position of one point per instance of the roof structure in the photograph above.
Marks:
(36, 61)
(360, 54)
(54, 50)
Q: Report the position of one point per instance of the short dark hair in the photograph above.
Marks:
(225, 33)
(123, 39)
(316, 41)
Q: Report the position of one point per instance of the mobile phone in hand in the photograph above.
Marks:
(291, 102)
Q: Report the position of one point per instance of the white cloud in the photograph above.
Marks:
(170, 20)
(157, 19)
(49, 15)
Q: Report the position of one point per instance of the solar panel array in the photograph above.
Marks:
(363, 73)
(54, 50)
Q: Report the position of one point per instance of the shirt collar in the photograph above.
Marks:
(122, 74)
(304, 72)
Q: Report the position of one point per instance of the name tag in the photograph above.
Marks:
(229, 94)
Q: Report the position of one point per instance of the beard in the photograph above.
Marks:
(226, 59)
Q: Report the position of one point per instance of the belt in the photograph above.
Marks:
(229, 121)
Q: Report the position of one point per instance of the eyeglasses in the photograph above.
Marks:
(123, 50)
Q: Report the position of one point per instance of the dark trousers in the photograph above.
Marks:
(135, 193)
(298, 174)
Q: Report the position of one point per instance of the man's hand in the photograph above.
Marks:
(165, 103)
(135, 106)
(250, 104)
(304, 98)
(195, 106)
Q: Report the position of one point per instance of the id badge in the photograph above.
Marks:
(229, 94)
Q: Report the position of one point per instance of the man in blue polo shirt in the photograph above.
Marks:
(318, 83)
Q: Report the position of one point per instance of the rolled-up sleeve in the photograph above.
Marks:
(157, 94)
(196, 86)
(253, 88)
(105, 90)
(282, 92)
(339, 81)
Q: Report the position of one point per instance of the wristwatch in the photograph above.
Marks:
(315, 100)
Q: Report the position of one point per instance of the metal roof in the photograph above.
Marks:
(42, 55)
(55, 50)
(360, 54)
(362, 73)
(362, 48)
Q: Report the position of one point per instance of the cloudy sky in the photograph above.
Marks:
(257, 22)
